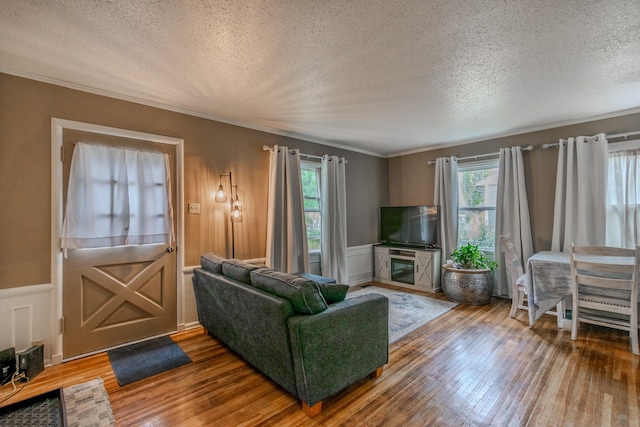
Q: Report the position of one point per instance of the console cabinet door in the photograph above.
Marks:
(382, 263)
(424, 269)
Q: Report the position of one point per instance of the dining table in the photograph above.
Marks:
(550, 282)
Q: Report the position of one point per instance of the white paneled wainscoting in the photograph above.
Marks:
(26, 317)
(29, 314)
(360, 264)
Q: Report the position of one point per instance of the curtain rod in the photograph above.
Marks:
(624, 135)
(308, 156)
(479, 156)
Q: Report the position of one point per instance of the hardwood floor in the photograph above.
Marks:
(473, 366)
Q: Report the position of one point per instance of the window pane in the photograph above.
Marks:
(478, 187)
(311, 204)
(477, 227)
(623, 199)
(116, 196)
(312, 220)
(309, 183)
(311, 193)
(477, 206)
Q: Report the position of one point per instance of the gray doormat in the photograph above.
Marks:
(144, 359)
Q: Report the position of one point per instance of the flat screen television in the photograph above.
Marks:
(409, 225)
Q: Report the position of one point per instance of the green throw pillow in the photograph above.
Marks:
(333, 292)
(304, 295)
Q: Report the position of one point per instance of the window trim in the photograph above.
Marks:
(633, 144)
(479, 164)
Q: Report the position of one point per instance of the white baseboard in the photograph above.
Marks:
(360, 279)
(56, 359)
(191, 325)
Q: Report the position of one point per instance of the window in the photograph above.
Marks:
(116, 196)
(477, 189)
(311, 193)
(623, 194)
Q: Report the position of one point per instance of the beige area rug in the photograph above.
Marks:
(87, 404)
(407, 312)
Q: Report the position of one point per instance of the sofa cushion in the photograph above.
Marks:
(211, 262)
(333, 292)
(238, 270)
(304, 295)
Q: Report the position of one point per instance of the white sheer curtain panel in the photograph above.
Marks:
(623, 199)
(446, 196)
(117, 197)
(579, 213)
(333, 207)
(287, 249)
(512, 215)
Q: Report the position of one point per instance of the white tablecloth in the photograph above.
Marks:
(549, 282)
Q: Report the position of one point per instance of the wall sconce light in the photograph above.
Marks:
(236, 207)
(221, 195)
(236, 210)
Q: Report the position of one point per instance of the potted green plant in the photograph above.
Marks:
(470, 257)
(469, 279)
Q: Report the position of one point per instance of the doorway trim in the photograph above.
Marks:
(57, 129)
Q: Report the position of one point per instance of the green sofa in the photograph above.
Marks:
(298, 332)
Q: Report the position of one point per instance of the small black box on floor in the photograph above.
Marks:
(31, 362)
(7, 364)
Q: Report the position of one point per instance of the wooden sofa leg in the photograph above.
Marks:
(206, 332)
(378, 372)
(311, 411)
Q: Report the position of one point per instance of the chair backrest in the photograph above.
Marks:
(594, 268)
(514, 263)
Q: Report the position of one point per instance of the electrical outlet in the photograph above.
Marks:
(194, 208)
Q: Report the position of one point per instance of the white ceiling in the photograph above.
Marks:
(380, 76)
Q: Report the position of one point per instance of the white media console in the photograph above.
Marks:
(412, 268)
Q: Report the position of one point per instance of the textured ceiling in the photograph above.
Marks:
(380, 76)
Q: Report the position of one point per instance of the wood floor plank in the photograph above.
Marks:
(472, 366)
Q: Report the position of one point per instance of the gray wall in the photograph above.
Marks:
(411, 178)
(211, 148)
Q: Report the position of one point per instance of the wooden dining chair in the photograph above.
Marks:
(520, 280)
(605, 279)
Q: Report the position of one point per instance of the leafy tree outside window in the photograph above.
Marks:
(311, 193)
(478, 185)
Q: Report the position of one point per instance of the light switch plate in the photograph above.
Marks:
(194, 208)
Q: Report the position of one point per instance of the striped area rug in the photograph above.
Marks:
(87, 404)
